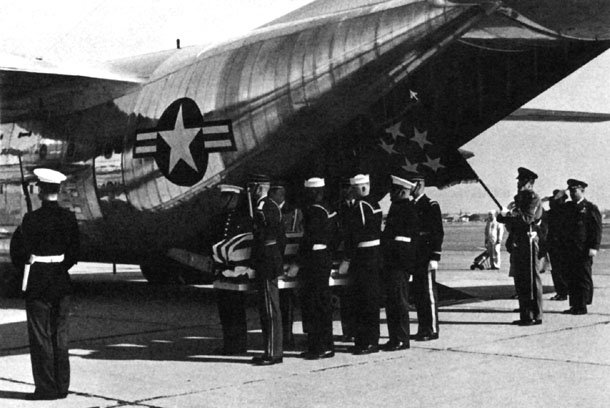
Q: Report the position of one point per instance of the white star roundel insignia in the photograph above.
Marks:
(181, 141)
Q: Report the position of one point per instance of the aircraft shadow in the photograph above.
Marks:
(14, 395)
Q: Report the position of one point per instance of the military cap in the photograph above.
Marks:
(526, 174)
(259, 179)
(402, 182)
(229, 188)
(360, 179)
(314, 182)
(414, 177)
(577, 183)
(49, 176)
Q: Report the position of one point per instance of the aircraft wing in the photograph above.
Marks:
(32, 87)
(546, 115)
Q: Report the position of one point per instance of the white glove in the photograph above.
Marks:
(344, 267)
(433, 265)
(592, 252)
(292, 270)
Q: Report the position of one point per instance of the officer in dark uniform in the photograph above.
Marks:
(316, 262)
(345, 206)
(428, 245)
(398, 240)
(556, 243)
(232, 222)
(51, 241)
(362, 246)
(267, 252)
(522, 222)
(584, 227)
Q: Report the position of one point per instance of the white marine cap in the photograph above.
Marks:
(229, 188)
(360, 179)
(49, 176)
(402, 182)
(314, 182)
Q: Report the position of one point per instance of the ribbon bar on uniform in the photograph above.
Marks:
(368, 244)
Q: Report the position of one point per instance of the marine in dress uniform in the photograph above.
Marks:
(398, 240)
(584, 226)
(315, 259)
(556, 242)
(522, 222)
(51, 241)
(233, 221)
(362, 246)
(267, 259)
(428, 246)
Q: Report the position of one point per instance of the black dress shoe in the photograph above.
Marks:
(532, 322)
(395, 346)
(312, 355)
(427, 337)
(266, 361)
(579, 311)
(558, 297)
(370, 349)
(569, 311)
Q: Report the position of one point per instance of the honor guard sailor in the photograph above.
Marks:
(584, 225)
(363, 258)
(267, 259)
(51, 241)
(227, 227)
(315, 263)
(522, 222)
(398, 240)
(429, 236)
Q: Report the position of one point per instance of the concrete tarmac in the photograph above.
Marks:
(134, 345)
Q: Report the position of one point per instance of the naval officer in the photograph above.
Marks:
(267, 259)
(51, 242)
(429, 236)
(363, 259)
(522, 222)
(583, 222)
(398, 240)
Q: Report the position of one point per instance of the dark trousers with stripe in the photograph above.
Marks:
(48, 334)
(397, 304)
(366, 294)
(316, 301)
(271, 317)
(558, 265)
(426, 299)
(232, 313)
(528, 284)
(580, 280)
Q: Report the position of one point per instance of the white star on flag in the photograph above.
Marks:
(433, 164)
(420, 138)
(394, 130)
(179, 140)
(410, 167)
(413, 95)
(388, 147)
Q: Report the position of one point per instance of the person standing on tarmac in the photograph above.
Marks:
(267, 259)
(397, 241)
(584, 225)
(556, 241)
(522, 222)
(51, 242)
(493, 239)
(315, 259)
(233, 221)
(363, 259)
(428, 246)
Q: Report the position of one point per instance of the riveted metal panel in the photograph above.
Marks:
(297, 70)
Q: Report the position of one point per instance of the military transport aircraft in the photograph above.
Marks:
(333, 88)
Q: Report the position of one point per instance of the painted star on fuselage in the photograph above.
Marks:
(179, 140)
(410, 167)
(433, 164)
(388, 147)
(394, 130)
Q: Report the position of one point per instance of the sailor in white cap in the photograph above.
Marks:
(362, 250)
(316, 261)
(50, 238)
(225, 228)
(398, 240)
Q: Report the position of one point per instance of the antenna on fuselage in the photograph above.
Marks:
(178, 43)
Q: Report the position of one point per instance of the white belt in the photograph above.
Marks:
(318, 247)
(402, 239)
(39, 259)
(368, 244)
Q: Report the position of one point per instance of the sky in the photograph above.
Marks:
(63, 30)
